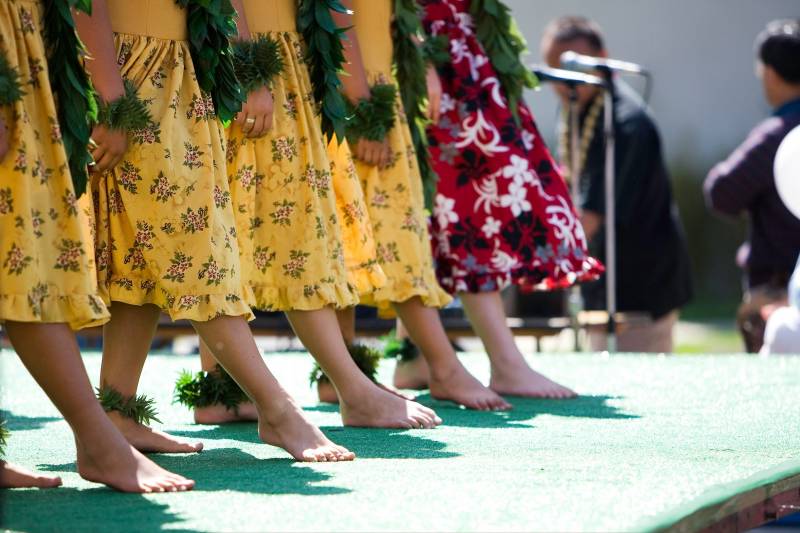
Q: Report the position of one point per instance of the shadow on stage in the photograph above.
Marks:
(526, 410)
(366, 443)
(26, 423)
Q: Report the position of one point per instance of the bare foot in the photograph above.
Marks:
(327, 393)
(378, 408)
(149, 440)
(16, 477)
(412, 375)
(123, 468)
(219, 414)
(286, 427)
(462, 388)
(522, 380)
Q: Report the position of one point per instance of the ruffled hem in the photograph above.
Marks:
(79, 311)
(402, 291)
(528, 279)
(367, 279)
(303, 298)
(194, 307)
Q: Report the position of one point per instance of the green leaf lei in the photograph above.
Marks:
(10, 88)
(257, 62)
(140, 409)
(410, 72)
(325, 60)
(373, 118)
(75, 97)
(504, 44)
(366, 359)
(436, 50)
(127, 113)
(212, 27)
(205, 389)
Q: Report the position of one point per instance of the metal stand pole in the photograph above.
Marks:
(575, 299)
(610, 218)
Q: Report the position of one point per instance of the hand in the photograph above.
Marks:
(255, 118)
(434, 94)
(591, 222)
(5, 141)
(373, 153)
(108, 148)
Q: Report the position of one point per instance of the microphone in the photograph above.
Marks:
(572, 61)
(570, 77)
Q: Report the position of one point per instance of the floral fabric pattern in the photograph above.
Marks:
(394, 195)
(502, 211)
(47, 270)
(297, 246)
(165, 228)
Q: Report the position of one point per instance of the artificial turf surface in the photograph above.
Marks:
(650, 440)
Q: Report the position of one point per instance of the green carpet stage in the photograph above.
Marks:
(653, 443)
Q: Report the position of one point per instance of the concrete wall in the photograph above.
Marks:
(706, 97)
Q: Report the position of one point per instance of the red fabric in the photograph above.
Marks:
(502, 212)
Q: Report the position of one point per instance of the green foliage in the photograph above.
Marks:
(325, 60)
(212, 26)
(366, 359)
(10, 88)
(140, 409)
(402, 349)
(504, 44)
(205, 389)
(257, 62)
(372, 118)
(436, 50)
(4, 434)
(410, 69)
(126, 113)
(75, 98)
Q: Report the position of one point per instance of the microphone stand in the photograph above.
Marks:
(575, 299)
(610, 215)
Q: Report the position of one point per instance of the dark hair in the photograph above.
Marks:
(778, 46)
(571, 28)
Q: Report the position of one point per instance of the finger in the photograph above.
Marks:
(248, 125)
(268, 119)
(105, 164)
(239, 119)
(436, 109)
(257, 127)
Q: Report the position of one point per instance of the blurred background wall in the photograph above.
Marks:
(705, 99)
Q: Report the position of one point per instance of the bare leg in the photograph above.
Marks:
(347, 324)
(219, 414)
(363, 403)
(51, 354)
(17, 477)
(449, 379)
(511, 374)
(126, 341)
(413, 374)
(280, 421)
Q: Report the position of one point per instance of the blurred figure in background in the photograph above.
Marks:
(653, 269)
(782, 333)
(745, 182)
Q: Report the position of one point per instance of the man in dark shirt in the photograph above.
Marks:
(745, 182)
(653, 269)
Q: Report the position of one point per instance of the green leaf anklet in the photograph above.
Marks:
(4, 434)
(140, 409)
(402, 349)
(204, 389)
(367, 360)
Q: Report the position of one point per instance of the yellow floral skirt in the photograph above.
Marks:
(303, 230)
(396, 206)
(165, 228)
(47, 272)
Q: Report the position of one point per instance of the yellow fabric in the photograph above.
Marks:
(394, 196)
(47, 272)
(165, 229)
(162, 19)
(286, 194)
